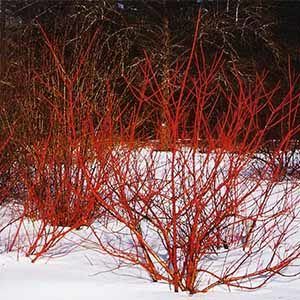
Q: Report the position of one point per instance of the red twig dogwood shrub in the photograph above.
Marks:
(194, 216)
(55, 193)
(56, 199)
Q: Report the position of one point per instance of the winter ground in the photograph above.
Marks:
(88, 274)
(82, 275)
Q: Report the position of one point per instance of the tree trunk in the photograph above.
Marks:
(227, 6)
(164, 130)
(237, 10)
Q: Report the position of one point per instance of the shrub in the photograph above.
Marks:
(190, 217)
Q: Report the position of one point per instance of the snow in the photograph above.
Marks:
(88, 274)
(74, 277)
(81, 276)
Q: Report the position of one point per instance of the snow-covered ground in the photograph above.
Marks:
(84, 275)
(69, 273)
